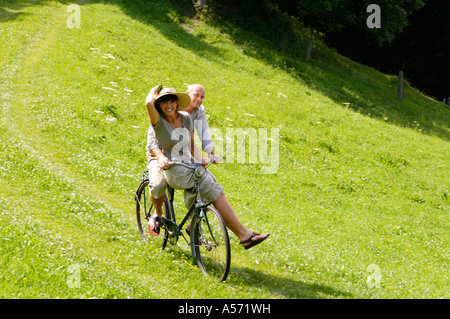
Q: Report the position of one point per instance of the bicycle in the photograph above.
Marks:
(209, 240)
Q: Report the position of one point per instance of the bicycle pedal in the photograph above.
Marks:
(171, 227)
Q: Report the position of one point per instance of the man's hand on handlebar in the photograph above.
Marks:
(213, 158)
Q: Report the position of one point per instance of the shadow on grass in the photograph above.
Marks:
(285, 287)
(352, 85)
(160, 14)
(276, 285)
(8, 14)
(13, 10)
(373, 94)
(356, 87)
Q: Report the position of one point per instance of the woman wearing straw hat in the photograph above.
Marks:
(174, 133)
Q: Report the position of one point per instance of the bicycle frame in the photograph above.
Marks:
(202, 239)
(197, 208)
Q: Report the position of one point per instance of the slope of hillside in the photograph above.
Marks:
(357, 201)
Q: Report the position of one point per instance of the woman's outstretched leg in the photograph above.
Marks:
(247, 237)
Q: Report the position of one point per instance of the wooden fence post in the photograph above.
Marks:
(400, 85)
(308, 54)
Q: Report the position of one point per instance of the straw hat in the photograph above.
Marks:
(183, 99)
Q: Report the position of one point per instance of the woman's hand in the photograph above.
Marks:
(163, 162)
(205, 162)
(152, 95)
(150, 105)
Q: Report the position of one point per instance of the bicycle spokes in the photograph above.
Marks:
(212, 246)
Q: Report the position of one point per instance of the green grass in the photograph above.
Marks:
(358, 184)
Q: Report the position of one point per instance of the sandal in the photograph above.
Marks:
(253, 240)
(154, 229)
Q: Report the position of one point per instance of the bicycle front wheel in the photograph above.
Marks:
(212, 244)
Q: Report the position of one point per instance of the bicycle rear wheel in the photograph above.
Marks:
(145, 209)
(212, 244)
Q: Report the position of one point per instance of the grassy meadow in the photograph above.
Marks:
(358, 206)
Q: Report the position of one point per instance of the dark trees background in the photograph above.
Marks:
(414, 36)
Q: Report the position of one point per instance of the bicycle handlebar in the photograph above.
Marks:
(191, 166)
